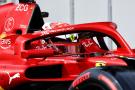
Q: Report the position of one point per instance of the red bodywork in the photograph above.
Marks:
(22, 62)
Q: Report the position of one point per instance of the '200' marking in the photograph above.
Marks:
(22, 7)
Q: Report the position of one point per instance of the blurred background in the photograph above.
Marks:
(83, 11)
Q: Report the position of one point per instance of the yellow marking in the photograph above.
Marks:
(100, 63)
(1, 88)
(122, 56)
(3, 35)
(72, 37)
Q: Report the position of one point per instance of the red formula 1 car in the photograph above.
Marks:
(57, 56)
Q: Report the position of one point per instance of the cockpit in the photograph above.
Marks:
(91, 43)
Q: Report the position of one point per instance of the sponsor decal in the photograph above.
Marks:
(81, 79)
(54, 25)
(11, 78)
(100, 63)
(5, 43)
(9, 24)
(42, 47)
(87, 44)
(23, 26)
(22, 7)
(46, 32)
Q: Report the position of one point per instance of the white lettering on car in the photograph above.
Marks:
(48, 31)
(87, 44)
(5, 43)
(22, 7)
(9, 24)
(17, 75)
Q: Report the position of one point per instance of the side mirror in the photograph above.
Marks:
(45, 14)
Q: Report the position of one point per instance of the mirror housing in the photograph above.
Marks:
(45, 14)
(26, 1)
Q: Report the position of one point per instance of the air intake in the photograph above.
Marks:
(40, 72)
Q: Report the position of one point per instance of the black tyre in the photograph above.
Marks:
(108, 78)
(58, 87)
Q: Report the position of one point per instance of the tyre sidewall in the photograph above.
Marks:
(98, 77)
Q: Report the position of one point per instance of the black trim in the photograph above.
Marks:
(26, 1)
(129, 61)
(37, 21)
(40, 72)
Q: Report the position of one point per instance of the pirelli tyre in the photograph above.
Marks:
(108, 78)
